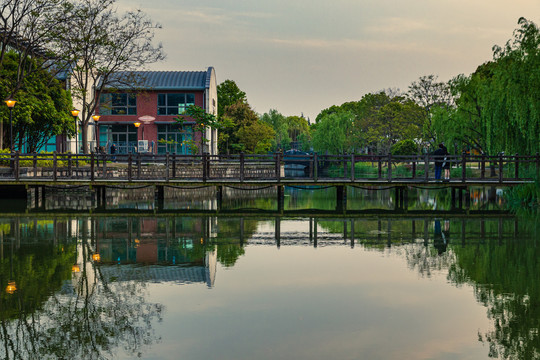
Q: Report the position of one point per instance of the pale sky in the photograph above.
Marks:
(302, 56)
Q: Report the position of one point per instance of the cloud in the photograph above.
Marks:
(355, 44)
(393, 25)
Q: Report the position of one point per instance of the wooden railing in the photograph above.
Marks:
(244, 167)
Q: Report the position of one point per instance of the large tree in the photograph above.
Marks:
(42, 108)
(229, 94)
(98, 42)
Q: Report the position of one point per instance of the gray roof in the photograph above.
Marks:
(160, 80)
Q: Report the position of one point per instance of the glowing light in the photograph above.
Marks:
(11, 288)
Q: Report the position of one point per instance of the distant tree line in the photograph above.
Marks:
(495, 109)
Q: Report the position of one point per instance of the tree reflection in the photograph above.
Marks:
(501, 264)
(84, 316)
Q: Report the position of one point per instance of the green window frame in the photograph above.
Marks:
(174, 103)
(174, 139)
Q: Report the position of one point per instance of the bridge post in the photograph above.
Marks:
(345, 231)
(315, 167)
(204, 168)
(280, 198)
(159, 196)
(389, 167)
(174, 165)
(315, 233)
(537, 164)
(344, 166)
(341, 197)
(414, 169)
(34, 161)
(130, 167)
(70, 171)
(453, 198)
(460, 198)
(352, 166)
(397, 197)
(426, 167)
(379, 167)
(310, 230)
(483, 167)
(516, 169)
(405, 204)
(92, 166)
(17, 165)
(501, 165)
(167, 165)
(277, 232)
(241, 231)
(55, 165)
(352, 233)
(219, 197)
(242, 166)
(139, 166)
(463, 166)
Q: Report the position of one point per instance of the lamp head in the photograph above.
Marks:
(10, 103)
(95, 117)
(75, 112)
(137, 124)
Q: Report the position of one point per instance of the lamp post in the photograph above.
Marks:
(137, 124)
(75, 113)
(96, 118)
(10, 104)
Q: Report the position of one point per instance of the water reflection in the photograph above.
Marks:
(265, 198)
(106, 303)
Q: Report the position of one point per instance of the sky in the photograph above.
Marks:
(302, 56)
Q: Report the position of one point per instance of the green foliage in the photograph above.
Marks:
(244, 131)
(203, 120)
(404, 147)
(330, 135)
(497, 108)
(42, 108)
(229, 94)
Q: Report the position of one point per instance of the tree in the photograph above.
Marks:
(427, 92)
(278, 123)
(99, 43)
(238, 115)
(43, 106)
(256, 138)
(203, 120)
(229, 94)
(331, 132)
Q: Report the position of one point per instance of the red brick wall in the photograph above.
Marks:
(147, 105)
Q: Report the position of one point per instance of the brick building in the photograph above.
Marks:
(138, 111)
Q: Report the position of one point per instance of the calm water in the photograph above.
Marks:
(376, 286)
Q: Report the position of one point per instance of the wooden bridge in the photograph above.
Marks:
(100, 171)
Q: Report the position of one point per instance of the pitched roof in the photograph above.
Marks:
(160, 80)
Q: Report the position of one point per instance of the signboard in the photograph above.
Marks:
(142, 145)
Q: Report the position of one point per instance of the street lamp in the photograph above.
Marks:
(96, 118)
(75, 113)
(10, 104)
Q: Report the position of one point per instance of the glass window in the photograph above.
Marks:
(174, 104)
(174, 139)
(118, 104)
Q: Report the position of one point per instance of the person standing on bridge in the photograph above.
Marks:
(439, 154)
(113, 152)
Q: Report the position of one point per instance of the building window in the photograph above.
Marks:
(118, 104)
(174, 139)
(123, 136)
(174, 104)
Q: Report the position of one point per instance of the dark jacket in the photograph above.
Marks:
(439, 156)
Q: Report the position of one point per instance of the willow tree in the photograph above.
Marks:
(512, 106)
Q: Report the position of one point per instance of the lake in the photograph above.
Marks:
(89, 284)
